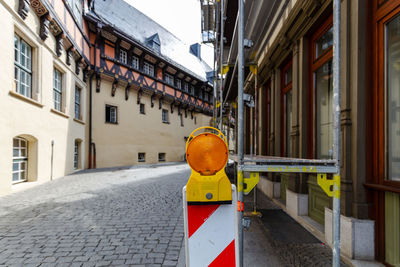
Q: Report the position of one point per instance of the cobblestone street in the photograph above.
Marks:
(116, 217)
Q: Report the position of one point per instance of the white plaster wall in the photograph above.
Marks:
(19, 117)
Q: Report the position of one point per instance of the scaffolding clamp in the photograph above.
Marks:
(328, 185)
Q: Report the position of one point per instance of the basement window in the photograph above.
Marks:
(141, 157)
(161, 157)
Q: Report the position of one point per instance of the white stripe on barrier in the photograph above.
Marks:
(213, 236)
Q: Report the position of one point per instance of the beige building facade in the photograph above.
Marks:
(67, 105)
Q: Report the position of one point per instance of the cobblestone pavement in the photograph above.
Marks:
(120, 217)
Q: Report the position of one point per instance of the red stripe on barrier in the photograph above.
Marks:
(197, 215)
(226, 258)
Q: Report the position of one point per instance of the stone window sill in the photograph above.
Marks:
(26, 99)
(62, 114)
(79, 121)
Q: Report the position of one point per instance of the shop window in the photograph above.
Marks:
(286, 108)
(321, 132)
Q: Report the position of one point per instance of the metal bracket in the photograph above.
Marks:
(251, 182)
(331, 187)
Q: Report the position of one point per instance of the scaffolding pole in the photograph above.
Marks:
(240, 124)
(221, 48)
(215, 76)
(336, 133)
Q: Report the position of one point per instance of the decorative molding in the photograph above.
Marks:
(139, 95)
(78, 66)
(98, 82)
(69, 56)
(160, 103)
(59, 44)
(23, 8)
(152, 99)
(39, 8)
(85, 74)
(44, 27)
(127, 88)
(55, 28)
(114, 87)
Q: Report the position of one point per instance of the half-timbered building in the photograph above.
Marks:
(91, 84)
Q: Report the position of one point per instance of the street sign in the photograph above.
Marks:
(209, 203)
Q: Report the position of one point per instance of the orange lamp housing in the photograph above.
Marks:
(207, 155)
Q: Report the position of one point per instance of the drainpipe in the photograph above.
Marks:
(90, 117)
(51, 162)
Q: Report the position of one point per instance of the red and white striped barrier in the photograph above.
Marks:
(211, 233)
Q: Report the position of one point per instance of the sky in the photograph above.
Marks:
(180, 17)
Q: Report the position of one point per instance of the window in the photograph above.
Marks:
(148, 69)
(161, 157)
(165, 116)
(192, 90)
(186, 87)
(111, 114)
(57, 89)
(76, 154)
(321, 138)
(169, 79)
(123, 56)
(22, 67)
(20, 160)
(392, 119)
(135, 62)
(141, 157)
(142, 109)
(179, 84)
(76, 6)
(77, 103)
(286, 109)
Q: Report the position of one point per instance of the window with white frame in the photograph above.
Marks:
(76, 154)
(179, 84)
(20, 160)
(76, 6)
(123, 56)
(135, 62)
(78, 103)
(57, 89)
(169, 79)
(111, 114)
(186, 87)
(165, 116)
(22, 66)
(148, 69)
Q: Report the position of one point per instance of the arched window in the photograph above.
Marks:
(20, 160)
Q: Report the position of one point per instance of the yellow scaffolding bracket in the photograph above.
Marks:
(330, 186)
(250, 182)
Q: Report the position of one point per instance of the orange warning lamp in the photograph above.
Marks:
(207, 155)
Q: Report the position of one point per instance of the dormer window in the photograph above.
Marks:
(169, 79)
(154, 42)
(123, 56)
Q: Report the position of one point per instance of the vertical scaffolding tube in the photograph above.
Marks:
(240, 123)
(336, 133)
(215, 109)
(221, 48)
